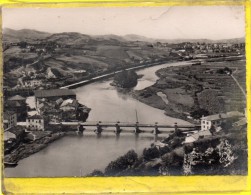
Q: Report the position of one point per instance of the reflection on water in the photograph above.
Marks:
(66, 157)
(72, 156)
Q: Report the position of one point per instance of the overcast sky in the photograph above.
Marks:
(212, 22)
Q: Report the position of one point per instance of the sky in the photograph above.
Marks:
(190, 22)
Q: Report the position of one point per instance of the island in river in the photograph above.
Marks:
(147, 160)
(125, 79)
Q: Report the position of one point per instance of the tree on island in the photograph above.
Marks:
(126, 79)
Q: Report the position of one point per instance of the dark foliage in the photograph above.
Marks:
(197, 114)
(122, 163)
(225, 70)
(151, 153)
(126, 79)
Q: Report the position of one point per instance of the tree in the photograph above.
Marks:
(126, 79)
(122, 163)
(225, 70)
(226, 126)
(212, 129)
(22, 44)
(197, 114)
(151, 153)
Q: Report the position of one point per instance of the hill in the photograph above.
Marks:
(10, 35)
(79, 56)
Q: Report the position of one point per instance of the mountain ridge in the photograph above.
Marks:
(26, 34)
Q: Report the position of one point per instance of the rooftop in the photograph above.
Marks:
(17, 98)
(35, 117)
(7, 114)
(70, 102)
(222, 116)
(241, 122)
(53, 93)
(214, 117)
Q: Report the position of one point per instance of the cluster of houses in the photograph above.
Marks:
(215, 123)
(197, 48)
(50, 106)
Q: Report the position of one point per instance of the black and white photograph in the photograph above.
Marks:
(124, 91)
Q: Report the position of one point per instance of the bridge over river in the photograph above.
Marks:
(120, 127)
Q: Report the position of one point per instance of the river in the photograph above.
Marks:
(78, 156)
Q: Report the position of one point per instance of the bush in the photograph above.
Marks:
(126, 79)
(197, 114)
(122, 163)
(151, 153)
(97, 173)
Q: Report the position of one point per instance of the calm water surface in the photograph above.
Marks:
(76, 156)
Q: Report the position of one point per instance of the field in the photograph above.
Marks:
(189, 88)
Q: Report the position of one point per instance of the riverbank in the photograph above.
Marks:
(220, 154)
(27, 148)
(185, 89)
(169, 94)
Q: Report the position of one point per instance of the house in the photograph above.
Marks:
(17, 104)
(10, 119)
(17, 98)
(15, 133)
(35, 123)
(191, 138)
(211, 120)
(53, 114)
(9, 135)
(215, 120)
(69, 105)
(53, 95)
(32, 83)
(195, 136)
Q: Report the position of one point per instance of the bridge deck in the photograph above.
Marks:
(125, 125)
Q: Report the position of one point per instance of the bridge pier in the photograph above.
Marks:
(81, 128)
(99, 129)
(156, 130)
(118, 129)
(137, 130)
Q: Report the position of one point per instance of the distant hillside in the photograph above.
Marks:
(10, 35)
(69, 38)
(235, 40)
(76, 56)
(110, 37)
(133, 37)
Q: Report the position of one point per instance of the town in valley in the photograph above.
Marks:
(185, 98)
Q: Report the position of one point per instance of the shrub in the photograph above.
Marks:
(126, 79)
(122, 163)
(197, 114)
(151, 153)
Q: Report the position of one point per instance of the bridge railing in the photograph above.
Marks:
(119, 127)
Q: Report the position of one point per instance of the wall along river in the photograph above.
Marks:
(77, 156)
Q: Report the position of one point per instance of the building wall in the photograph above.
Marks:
(205, 124)
(11, 122)
(54, 99)
(35, 124)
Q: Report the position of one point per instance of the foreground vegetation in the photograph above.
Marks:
(222, 154)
